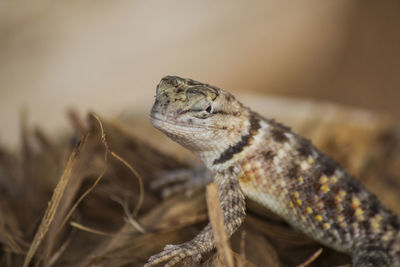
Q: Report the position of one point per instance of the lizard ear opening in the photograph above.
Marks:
(209, 109)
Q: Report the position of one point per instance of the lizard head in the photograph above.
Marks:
(198, 116)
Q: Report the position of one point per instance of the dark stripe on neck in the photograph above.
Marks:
(244, 141)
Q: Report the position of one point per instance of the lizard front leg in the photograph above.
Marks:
(234, 211)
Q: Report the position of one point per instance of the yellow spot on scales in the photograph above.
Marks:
(357, 210)
(251, 176)
(318, 218)
(244, 179)
(334, 179)
(340, 218)
(343, 224)
(327, 225)
(323, 179)
(238, 156)
(356, 202)
(375, 226)
(309, 210)
(247, 167)
(310, 160)
(296, 196)
(300, 180)
(339, 197)
(325, 188)
(360, 217)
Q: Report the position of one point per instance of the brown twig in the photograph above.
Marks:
(242, 261)
(53, 204)
(71, 211)
(129, 166)
(217, 225)
(311, 259)
(90, 230)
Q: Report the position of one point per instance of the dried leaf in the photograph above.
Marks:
(218, 226)
(53, 204)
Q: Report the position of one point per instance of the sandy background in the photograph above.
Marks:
(108, 56)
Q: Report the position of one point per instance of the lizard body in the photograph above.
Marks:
(255, 157)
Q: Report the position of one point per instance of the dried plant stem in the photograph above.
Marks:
(242, 261)
(53, 204)
(141, 185)
(90, 230)
(311, 259)
(129, 166)
(71, 211)
(217, 225)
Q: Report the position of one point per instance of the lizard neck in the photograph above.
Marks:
(232, 150)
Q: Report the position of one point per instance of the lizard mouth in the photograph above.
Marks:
(156, 121)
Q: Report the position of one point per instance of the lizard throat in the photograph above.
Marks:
(242, 143)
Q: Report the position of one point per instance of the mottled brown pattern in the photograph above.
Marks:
(265, 161)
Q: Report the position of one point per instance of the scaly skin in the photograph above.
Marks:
(255, 157)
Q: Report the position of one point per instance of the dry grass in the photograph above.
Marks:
(88, 202)
(217, 223)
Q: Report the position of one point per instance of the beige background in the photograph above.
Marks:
(108, 56)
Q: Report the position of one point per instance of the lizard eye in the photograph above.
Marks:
(202, 109)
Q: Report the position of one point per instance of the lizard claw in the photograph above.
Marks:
(174, 254)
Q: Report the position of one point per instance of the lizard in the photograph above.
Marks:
(254, 157)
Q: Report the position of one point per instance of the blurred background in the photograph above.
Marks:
(108, 56)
